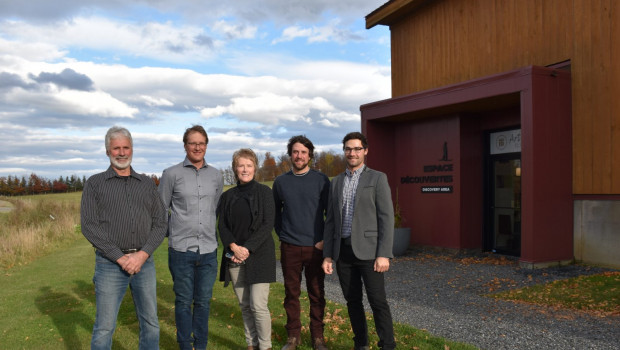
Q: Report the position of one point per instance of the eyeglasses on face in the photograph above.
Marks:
(353, 149)
(197, 144)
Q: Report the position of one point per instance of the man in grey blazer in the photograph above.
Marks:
(359, 230)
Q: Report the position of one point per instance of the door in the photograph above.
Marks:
(504, 204)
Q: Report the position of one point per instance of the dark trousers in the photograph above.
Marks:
(296, 259)
(354, 274)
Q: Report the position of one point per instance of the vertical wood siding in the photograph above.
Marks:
(450, 41)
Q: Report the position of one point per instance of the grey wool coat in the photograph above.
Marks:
(372, 233)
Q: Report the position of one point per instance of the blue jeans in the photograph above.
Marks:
(193, 275)
(110, 286)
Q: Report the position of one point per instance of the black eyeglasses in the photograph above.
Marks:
(353, 149)
(197, 144)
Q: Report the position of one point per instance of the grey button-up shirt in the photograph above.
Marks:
(191, 195)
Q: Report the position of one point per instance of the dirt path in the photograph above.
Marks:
(5, 206)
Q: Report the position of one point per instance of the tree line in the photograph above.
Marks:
(329, 163)
(34, 184)
(270, 167)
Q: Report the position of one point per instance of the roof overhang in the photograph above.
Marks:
(392, 10)
(489, 93)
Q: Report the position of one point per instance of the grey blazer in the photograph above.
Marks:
(373, 219)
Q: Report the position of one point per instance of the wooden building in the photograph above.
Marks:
(503, 130)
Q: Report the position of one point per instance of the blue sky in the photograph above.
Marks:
(253, 73)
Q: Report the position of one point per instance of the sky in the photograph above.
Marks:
(252, 73)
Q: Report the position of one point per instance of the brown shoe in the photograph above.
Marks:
(291, 343)
(319, 344)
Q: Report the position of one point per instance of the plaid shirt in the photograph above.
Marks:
(348, 199)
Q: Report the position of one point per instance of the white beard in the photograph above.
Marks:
(118, 165)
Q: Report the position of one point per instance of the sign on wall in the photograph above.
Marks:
(437, 178)
(508, 141)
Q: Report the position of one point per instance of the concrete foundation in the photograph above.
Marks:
(597, 232)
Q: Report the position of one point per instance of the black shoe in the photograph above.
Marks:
(291, 343)
(319, 344)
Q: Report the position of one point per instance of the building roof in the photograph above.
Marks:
(392, 10)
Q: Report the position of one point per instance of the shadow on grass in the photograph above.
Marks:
(86, 291)
(228, 333)
(66, 311)
(127, 318)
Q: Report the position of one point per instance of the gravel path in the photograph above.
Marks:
(443, 294)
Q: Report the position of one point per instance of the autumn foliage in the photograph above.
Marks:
(15, 186)
(270, 167)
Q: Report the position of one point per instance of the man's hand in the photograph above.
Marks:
(327, 266)
(382, 264)
(132, 263)
(122, 261)
(319, 245)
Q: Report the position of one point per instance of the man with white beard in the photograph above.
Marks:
(124, 219)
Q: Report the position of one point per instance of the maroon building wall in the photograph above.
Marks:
(547, 169)
(408, 133)
(433, 218)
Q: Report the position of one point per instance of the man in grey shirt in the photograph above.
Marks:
(124, 219)
(190, 191)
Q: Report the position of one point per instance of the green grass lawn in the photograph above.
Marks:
(48, 301)
(598, 295)
(50, 304)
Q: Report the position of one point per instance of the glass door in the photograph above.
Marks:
(504, 221)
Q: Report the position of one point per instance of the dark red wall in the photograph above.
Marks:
(546, 161)
(433, 217)
(452, 220)
(408, 132)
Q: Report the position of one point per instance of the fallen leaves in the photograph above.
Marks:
(597, 295)
(336, 323)
(500, 283)
(489, 259)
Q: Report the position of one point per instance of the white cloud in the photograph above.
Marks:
(159, 66)
(12, 52)
(156, 102)
(154, 40)
(280, 11)
(269, 108)
(164, 100)
(292, 33)
(70, 102)
(333, 31)
(93, 103)
(44, 161)
(336, 119)
(235, 31)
